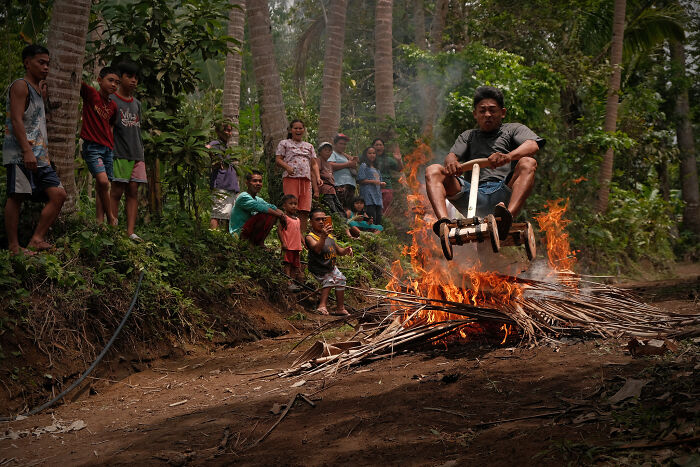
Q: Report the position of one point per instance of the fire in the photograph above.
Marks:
(433, 277)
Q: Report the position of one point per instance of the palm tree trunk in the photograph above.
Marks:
(686, 144)
(383, 61)
(610, 124)
(329, 116)
(68, 31)
(234, 61)
(437, 26)
(272, 112)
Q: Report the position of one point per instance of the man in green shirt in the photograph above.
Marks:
(252, 217)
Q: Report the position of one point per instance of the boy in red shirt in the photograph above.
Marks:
(99, 113)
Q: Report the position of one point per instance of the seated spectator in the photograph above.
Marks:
(253, 217)
(358, 217)
(322, 253)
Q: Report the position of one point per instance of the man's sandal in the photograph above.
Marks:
(506, 220)
(322, 310)
(436, 225)
(341, 312)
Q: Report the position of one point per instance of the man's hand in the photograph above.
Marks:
(29, 159)
(352, 162)
(283, 221)
(498, 159)
(451, 164)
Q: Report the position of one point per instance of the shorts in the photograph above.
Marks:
(222, 203)
(292, 257)
(301, 188)
(98, 158)
(22, 181)
(335, 278)
(489, 195)
(126, 171)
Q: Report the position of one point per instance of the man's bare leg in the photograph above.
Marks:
(439, 186)
(115, 195)
(103, 203)
(12, 209)
(57, 196)
(521, 184)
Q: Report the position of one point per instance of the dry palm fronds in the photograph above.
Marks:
(544, 310)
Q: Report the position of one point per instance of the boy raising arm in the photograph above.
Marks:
(25, 153)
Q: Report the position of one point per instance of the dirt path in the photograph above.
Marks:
(419, 408)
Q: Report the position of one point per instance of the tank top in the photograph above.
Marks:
(35, 127)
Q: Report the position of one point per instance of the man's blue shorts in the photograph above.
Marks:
(98, 158)
(22, 181)
(488, 196)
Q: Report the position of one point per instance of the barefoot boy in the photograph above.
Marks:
(129, 165)
(99, 113)
(322, 253)
(25, 152)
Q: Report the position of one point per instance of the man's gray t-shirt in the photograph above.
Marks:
(127, 129)
(476, 144)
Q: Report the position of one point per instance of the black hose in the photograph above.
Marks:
(36, 410)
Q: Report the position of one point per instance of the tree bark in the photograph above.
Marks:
(234, 62)
(684, 133)
(68, 32)
(383, 61)
(437, 26)
(267, 78)
(610, 124)
(329, 116)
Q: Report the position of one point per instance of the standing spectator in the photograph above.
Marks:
(298, 159)
(344, 170)
(322, 253)
(290, 239)
(252, 217)
(329, 196)
(371, 184)
(223, 179)
(25, 153)
(390, 168)
(129, 165)
(99, 114)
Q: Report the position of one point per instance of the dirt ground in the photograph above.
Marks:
(434, 406)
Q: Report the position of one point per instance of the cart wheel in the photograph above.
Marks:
(445, 240)
(493, 233)
(530, 245)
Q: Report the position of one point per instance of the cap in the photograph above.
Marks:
(340, 136)
(325, 143)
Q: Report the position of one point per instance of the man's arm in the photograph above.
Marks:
(528, 148)
(250, 204)
(351, 163)
(316, 245)
(460, 146)
(18, 99)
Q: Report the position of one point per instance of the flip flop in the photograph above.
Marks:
(342, 312)
(322, 310)
(436, 225)
(506, 220)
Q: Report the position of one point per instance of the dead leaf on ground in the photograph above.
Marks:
(631, 388)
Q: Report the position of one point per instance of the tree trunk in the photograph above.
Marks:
(272, 112)
(684, 133)
(68, 31)
(437, 27)
(329, 116)
(383, 62)
(234, 61)
(419, 24)
(610, 125)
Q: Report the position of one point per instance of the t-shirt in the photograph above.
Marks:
(389, 168)
(223, 175)
(476, 144)
(342, 176)
(245, 207)
(127, 128)
(34, 119)
(298, 154)
(291, 236)
(98, 117)
(326, 172)
(371, 193)
(322, 263)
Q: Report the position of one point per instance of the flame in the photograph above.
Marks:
(559, 254)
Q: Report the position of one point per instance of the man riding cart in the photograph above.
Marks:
(500, 157)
